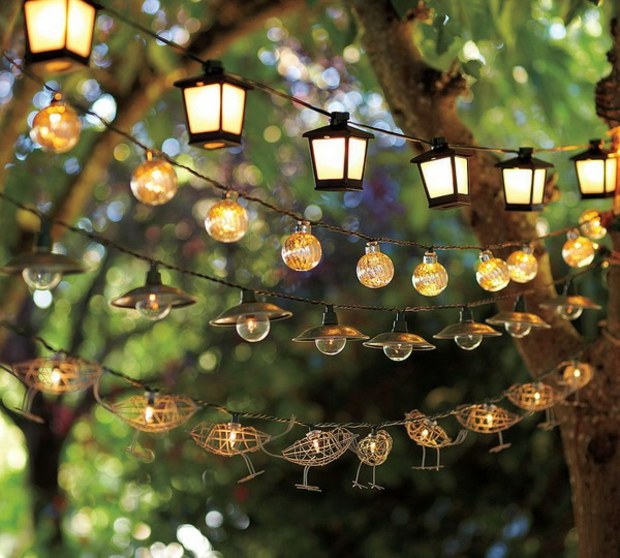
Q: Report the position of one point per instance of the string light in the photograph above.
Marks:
(373, 450)
(429, 278)
(487, 419)
(596, 171)
(375, 269)
(577, 375)
(301, 250)
(591, 225)
(57, 127)
(492, 274)
(570, 307)
(154, 182)
(536, 396)
(578, 251)
(518, 323)
(227, 220)
(522, 265)
(467, 333)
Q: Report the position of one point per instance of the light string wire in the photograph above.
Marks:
(292, 98)
(282, 211)
(283, 420)
(278, 294)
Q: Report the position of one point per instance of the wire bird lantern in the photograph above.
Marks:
(316, 449)
(487, 419)
(536, 396)
(230, 439)
(57, 374)
(428, 434)
(576, 375)
(372, 450)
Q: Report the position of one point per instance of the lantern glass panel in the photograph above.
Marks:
(47, 24)
(329, 158)
(591, 173)
(540, 177)
(438, 177)
(80, 29)
(462, 176)
(518, 185)
(357, 157)
(611, 168)
(234, 105)
(196, 99)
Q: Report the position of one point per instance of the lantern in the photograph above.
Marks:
(214, 107)
(59, 33)
(467, 333)
(524, 179)
(445, 175)
(596, 172)
(338, 154)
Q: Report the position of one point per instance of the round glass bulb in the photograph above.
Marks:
(569, 312)
(590, 224)
(227, 221)
(153, 308)
(253, 327)
(578, 251)
(429, 278)
(522, 265)
(331, 346)
(492, 274)
(374, 269)
(517, 329)
(41, 279)
(302, 251)
(468, 342)
(154, 182)
(56, 128)
(398, 351)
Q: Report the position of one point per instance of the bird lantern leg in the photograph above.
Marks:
(252, 471)
(136, 450)
(550, 420)
(25, 409)
(305, 485)
(356, 483)
(501, 446)
(373, 484)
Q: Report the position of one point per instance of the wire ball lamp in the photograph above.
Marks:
(487, 419)
(372, 450)
(316, 449)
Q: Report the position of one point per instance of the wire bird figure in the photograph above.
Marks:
(487, 419)
(372, 450)
(316, 449)
(536, 396)
(428, 434)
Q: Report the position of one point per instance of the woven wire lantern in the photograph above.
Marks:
(57, 374)
(576, 376)
(230, 439)
(534, 397)
(316, 449)
(372, 450)
(487, 419)
(428, 434)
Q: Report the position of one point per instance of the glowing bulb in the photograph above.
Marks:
(153, 308)
(590, 224)
(373, 445)
(56, 128)
(578, 251)
(468, 342)
(522, 265)
(430, 277)
(398, 351)
(154, 182)
(316, 444)
(41, 279)
(577, 375)
(425, 433)
(56, 376)
(149, 411)
(489, 419)
(227, 221)
(331, 346)
(517, 329)
(492, 274)
(253, 327)
(537, 396)
(569, 312)
(302, 251)
(374, 269)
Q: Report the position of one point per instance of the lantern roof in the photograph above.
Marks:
(338, 127)
(439, 150)
(213, 72)
(524, 160)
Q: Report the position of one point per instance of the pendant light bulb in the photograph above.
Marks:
(331, 346)
(522, 265)
(253, 327)
(41, 279)
(302, 250)
(57, 127)
(569, 312)
(227, 220)
(578, 251)
(590, 224)
(398, 352)
(153, 308)
(468, 342)
(492, 274)
(154, 182)
(375, 269)
(429, 278)
(517, 330)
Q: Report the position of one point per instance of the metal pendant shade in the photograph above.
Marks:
(596, 172)
(331, 329)
(576, 301)
(518, 316)
(249, 306)
(399, 336)
(466, 326)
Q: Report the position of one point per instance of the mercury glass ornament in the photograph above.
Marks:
(227, 221)
(302, 251)
(492, 274)
(57, 127)
(590, 224)
(374, 269)
(578, 251)
(154, 182)
(429, 278)
(522, 265)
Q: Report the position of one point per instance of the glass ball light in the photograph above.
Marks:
(227, 220)
(569, 311)
(492, 274)
(331, 346)
(153, 308)
(468, 342)
(41, 279)
(302, 251)
(590, 224)
(253, 327)
(429, 278)
(398, 352)
(522, 265)
(578, 251)
(518, 330)
(154, 182)
(374, 269)
(57, 127)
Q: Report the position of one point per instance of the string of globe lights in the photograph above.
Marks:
(156, 412)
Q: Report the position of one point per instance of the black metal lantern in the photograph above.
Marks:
(338, 154)
(445, 175)
(59, 33)
(596, 171)
(524, 179)
(214, 107)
